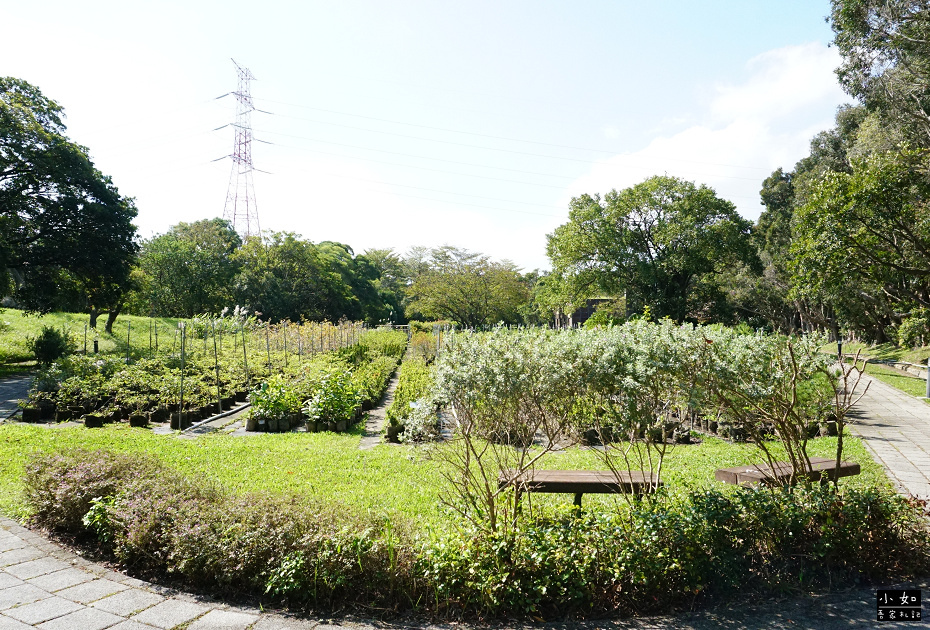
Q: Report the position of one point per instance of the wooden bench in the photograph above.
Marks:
(580, 482)
(822, 469)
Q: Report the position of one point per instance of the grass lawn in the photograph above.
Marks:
(390, 480)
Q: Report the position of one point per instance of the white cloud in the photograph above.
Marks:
(750, 128)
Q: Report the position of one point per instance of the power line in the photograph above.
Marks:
(481, 135)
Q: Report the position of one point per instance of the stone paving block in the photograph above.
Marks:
(132, 625)
(61, 579)
(9, 541)
(224, 620)
(19, 555)
(85, 619)
(132, 582)
(42, 610)
(91, 591)
(7, 580)
(22, 594)
(37, 567)
(8, 623)
(170, 613)
(283, 623)
(128, 602)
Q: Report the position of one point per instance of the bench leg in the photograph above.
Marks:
(578, 499)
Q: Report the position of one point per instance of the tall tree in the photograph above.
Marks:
(663, 243)
(189, 270)
(467, 287)
(393, 278)
(57, 212)
(885, 46)
(286, 277)
(862, 242)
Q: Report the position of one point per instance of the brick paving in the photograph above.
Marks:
(895, 428)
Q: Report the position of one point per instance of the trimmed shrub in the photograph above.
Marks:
(51, 344)
(659, 554)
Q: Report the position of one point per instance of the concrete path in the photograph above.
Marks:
(895, 428)
(374, 425)
(12, 390)
(45, 586)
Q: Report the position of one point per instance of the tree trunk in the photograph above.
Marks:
(111, 317)
(94, 313)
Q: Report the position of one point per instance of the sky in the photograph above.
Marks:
(405, 123)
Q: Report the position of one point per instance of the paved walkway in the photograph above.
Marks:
(12, 390)
(45, 586)
(895, 428)
(374, 424)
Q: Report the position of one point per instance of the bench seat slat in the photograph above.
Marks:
(821, 468)
(581, 481)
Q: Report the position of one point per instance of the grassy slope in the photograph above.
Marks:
(386, 480)
(884, 352)
(912, 385)
(16, 329)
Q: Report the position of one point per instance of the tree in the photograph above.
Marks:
(663, 244)
(360, 275)
(189, 270)
(393, 278)
(286, 278)
(885, 45)
(862, 242)
(468, 288)
(57, 212)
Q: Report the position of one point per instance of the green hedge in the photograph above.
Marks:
(657, 555)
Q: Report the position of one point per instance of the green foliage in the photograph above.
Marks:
(644, 558)
(865, 233)
(51, 344)
(413, 384)
(370, 379)
(658, 555)
(660, 243)
(914, 330)
(467, 288)
(189, 270)
(63, 221)
(383, 342)
(886, 60)
(335, 399)
(275, 399)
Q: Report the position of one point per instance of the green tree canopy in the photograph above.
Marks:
(57, 212)
(189, 270)
(466, 287)
(862, 241)
(885, 45)
(664, 243)
(286, 277)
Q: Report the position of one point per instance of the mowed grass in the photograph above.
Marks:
(389, 480)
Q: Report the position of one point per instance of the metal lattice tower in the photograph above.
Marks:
(241, 209)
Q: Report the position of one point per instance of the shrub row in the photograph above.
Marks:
(413, 388)
(652, 556)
